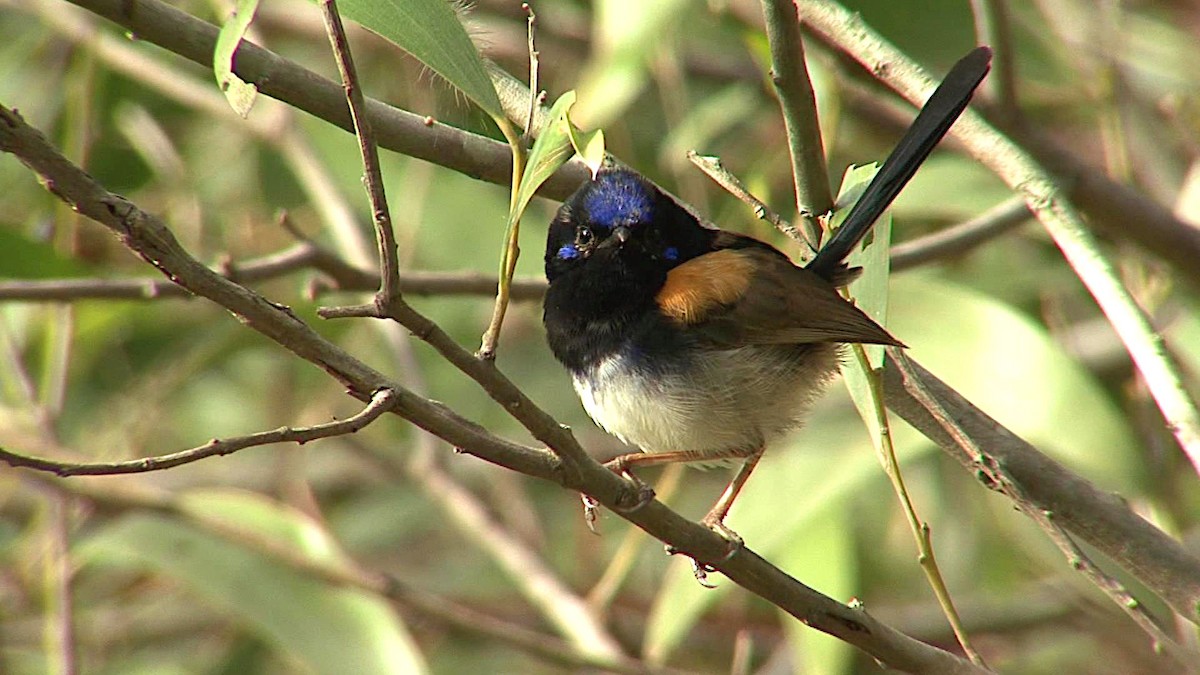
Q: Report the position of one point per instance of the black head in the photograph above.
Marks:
(620, 219)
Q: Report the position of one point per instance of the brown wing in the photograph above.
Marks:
(756, 296)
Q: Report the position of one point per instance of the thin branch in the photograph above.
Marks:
(385, 236)
(960, 238)
(1047, 201)
(534, 93)
(995, 473)
(342, 277)
(789, 73)
(382, 401)
(502, 390)
(922, 533)
(712, 167)
(154, 242)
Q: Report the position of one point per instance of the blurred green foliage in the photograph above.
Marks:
(166, 591)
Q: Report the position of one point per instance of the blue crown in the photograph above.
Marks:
(618, 197)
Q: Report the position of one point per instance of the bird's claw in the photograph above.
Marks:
(699, 570)
(591, 512)
(735, 541)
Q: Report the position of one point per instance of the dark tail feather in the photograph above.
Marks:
(932, 123)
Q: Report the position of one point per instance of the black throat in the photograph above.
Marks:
(594, 309)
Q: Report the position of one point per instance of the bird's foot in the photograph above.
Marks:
(716, 523)
(699, 570)
(639, 496)
(591, 512)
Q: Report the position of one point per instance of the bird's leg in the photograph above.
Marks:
(622, 465)
(715, 520)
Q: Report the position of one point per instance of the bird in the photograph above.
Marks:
(700, 345)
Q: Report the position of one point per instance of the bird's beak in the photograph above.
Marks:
(619, 236)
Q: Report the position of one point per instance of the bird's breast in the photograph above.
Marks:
(707, 401)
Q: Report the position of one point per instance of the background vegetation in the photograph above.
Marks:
(270, 560)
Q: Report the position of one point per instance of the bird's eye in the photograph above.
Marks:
(584, 235)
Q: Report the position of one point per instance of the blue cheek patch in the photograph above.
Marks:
(618, 197)
(568, 252)
(671, 253)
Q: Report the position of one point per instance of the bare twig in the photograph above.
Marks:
(381, 401)
(535, 94)
(789, 73)
(389, 267)
(483, 371)
(342, 276)
(304, 256)
(712, 167)
(922, 534)
(993, 27)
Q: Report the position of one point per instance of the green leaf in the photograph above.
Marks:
(589, 145)
(551, 150)
(331, 629)
(240, 94)
(431, 32)
(869, 291)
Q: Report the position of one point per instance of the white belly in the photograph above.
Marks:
(738, 399)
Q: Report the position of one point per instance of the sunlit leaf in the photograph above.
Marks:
(869, 291)
(434, 35)
(550, 151)
(589, 145)
(239, 93)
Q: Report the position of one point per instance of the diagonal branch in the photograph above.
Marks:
(994, 473)
(1100, 518)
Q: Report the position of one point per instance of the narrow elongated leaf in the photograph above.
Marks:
(240, 94)
(552, 149)
(433, 33)
(869, 290)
